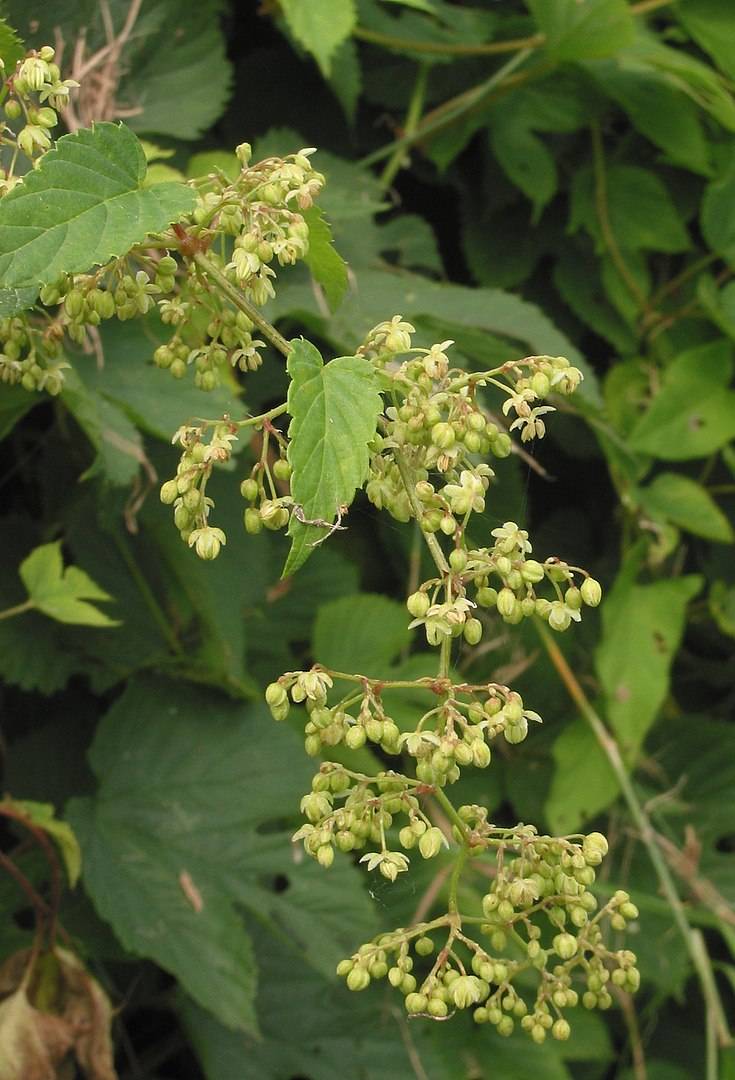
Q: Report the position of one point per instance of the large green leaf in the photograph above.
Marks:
(685, 503)
(640, 210)
(186, 826)
(579, 29)
(334, 411)
(642, 629)
(83, 205)
(362, 633)
(320, 26)
(523, 156)
(693, 413)
(60, 593)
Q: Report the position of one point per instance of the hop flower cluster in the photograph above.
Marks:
(542, 920)
(260, 209)
(455, 733)
(187, 490)
(35, 92)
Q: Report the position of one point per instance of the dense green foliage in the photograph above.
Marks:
(541, 177)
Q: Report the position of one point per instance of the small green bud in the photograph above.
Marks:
(252, 521)
(358, 979)
(418, 604)
(472, 631)
(443, 436)
(430, 844)
(591, 592)
(424, 946)
(565, 946)
(458, 560)
(416, 1003)
(169, 492)
(506, 602)
(281, 469)
(249, 489)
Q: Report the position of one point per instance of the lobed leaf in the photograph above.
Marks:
(62, 594)
(334, 410)
(84, 204)
(320, 26)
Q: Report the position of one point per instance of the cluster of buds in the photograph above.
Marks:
(229, 338)
(261, 210)
(370, 806)
(514, 592)
(30, 357)
(440, 426)
(541, 920)
(187, 490)
(35, 93)
(455, 733)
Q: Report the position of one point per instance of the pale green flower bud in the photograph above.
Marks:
(358, 979)
(430, 844)
(466, 991)
(506, 602)
(565, 946)
(591, 592)
(418, 604)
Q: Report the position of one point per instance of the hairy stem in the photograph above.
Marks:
(238, 299)
(415, 106)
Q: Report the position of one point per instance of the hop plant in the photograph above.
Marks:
(539, 923)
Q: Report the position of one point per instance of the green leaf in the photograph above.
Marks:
(718, 213)
(187, 827)
(578, 754)
(581, 29)
(710, 24)
(43, 816)
(13, 301)
(686, 503)
(116, 440)
(82, 206)
(362, 633)
(320, 26)
(346, 77)
(334, 411)
(577, 277)
(721, 602)
(693, 414)
(12, 48)
(641, 212)
(196, 71)
(661, 112)
(642, 629)
(523, 156)
(59, 593)
(141, 390)
(327, 266)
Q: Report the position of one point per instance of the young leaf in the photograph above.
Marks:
(62, 594)
(43, 816)
(320, 26)
(83, 205)
(642, 629)
(582, 29)
(334, 410)
(686, 503)
(327, 266)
